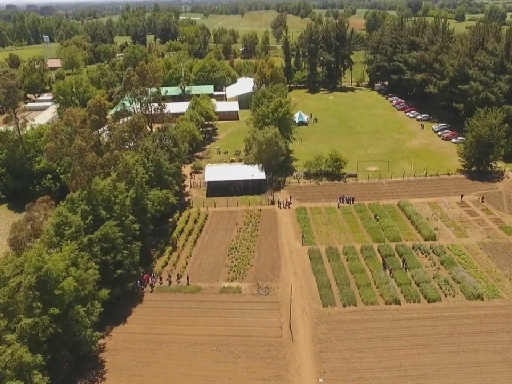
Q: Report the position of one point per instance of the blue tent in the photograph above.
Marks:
(301, 118)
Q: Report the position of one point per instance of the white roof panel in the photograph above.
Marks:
(227, 106)
(233, 172)
(45, 117)
(177, 107)
(242, 86)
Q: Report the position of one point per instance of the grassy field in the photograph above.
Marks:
(7, 218)
(365, 128)
(29, 51)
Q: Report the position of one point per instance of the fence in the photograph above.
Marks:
(231, 202)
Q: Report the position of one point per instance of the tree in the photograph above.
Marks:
(134, 55)
(460, 14)
(264, 46)
(24, 232)
(278, 26)
(267, 74)
(34, 75)
(268, 148)
(287, 70)
(211, 71)
(13, 61)
(334, 166)
(11, 96)
(485, 140)
(495, 14)
(201, 111)
(72, 92)
(188, 133)
(72, 58)
(426, 7)
(249, 44)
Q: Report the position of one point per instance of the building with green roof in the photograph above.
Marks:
(191, 90)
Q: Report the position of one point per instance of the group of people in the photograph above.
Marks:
(284, 204)
(346, 200)
(152, 279)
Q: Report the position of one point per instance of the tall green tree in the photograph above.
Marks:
(287, 69)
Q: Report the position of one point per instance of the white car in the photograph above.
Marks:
(458, 140)
(441, 133)
(393, 98)
(412, 114)
(423, 118)
(439, 127)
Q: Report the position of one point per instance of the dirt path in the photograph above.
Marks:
(296, 274)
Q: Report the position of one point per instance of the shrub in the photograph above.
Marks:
(382, 280)
(429, 292)
(305, 226)
(361, 279)
(322, 280)
(347, 295)
(369, 223)
(489, 290)
(410, 293)
(386, 223)
(418, 221)
(445, 259)
(419, 276)
(421, 248)
(410, 258)
(197, 166)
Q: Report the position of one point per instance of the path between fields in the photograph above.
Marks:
(294, 269)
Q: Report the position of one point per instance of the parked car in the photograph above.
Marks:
(440, 126)
(393, 98)
(413, 114)
(443, 132)
(449, 136)
(423, 118)
(402, 107)
(398, 101)
(389, 96)
(410, 109)
(458, 140)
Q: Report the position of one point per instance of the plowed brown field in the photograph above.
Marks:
(267, 262)
(452, 344)
(212, 247)
(199, 339)
(389, 189)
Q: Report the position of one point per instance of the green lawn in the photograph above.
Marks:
(362, 126)
(29, 51)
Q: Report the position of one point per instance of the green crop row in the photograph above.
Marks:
(193, 239)
(363, 283)
(242, 248)
(423, 249)
(191, 222)
(410, 258)
(382, 280)
(369, 223)
(352, 224)
(445, 285)
(418, 221)
(489, 290)
(322, 280)
(386, 223)
(305, 226)
(347, 295)
(401, 278)
(467, 285)
(180, 226)
(394, 214)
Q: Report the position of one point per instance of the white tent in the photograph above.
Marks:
(301, 118)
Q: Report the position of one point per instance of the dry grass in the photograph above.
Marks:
(7, 217)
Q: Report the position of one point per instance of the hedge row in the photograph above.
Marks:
(418, 221)
(369, 223)
(361, 278)
(305, 226)
(347, 295)
(467, 285)
(401, 278)
(382, 280)
(386, 223)
(322, 280)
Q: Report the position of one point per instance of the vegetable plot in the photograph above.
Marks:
(322, 280)
(385, 222)
(369, 223)
(305, 225)
(347, 295)
(418, 221)
(361, 278)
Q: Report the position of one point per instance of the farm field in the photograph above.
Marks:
(29, 51)
(468, 344)
(7, 217)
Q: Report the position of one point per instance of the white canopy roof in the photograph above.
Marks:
(233, 172)
(243, 86)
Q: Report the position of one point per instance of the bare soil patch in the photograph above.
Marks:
(267, 261)
(199, 338)
(389, 189)
(463, 342)
(211, 250)
(499, 253)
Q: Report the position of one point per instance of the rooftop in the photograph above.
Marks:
(243, 86)
(53, 63)
(190, 90)
(233, 172)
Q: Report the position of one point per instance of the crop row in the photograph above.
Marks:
(385, 222)
(382, 280)
(457, 230)
(467, 284)
(369, 223)
(394, 214)
(361, 278)
(347, 295)
(401, 278)
(305, 226)
(242, 248)
(418, 221)
(193, 239)
(322, 280)
(352, 224)
(420, 277)
(489, 290)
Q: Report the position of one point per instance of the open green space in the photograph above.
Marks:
(29, 51)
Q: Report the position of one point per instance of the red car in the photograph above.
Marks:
(410, 109)
(396, 102)
(449, 136)
(402, 107)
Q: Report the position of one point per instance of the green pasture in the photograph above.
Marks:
(29, 51)
(364, 128)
